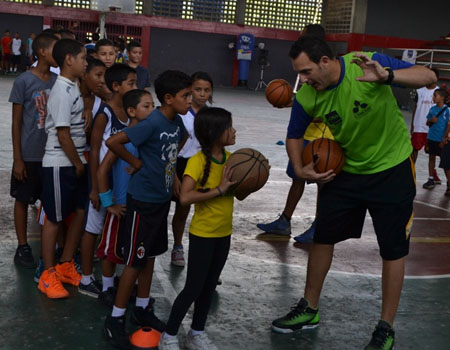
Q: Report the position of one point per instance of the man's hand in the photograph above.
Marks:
(19, 170)
(308, 173)
(373, 72)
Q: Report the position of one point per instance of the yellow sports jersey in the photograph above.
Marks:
(316, 131)
(214, 217)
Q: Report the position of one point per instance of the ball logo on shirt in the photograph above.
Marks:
(140, 252)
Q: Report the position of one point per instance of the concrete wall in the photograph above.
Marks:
(423, 20)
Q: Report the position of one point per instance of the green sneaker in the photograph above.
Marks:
(300, 317)
(382, 337)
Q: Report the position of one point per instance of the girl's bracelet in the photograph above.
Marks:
(220, 191)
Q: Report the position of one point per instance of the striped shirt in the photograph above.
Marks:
(64, 109)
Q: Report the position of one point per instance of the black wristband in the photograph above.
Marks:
(390, 77)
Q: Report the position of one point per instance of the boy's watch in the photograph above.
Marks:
(390, 77)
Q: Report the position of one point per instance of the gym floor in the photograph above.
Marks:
(264, 275)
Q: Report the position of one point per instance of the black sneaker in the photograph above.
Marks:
(383, 338)
(24, 257)
(107, 297)
(92, 289)
(147, 318)
(115, 332)
(429, 184)
(300, 317)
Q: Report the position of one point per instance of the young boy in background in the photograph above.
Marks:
(64, 176)
(134, 50)
(110, 119)
(158, 139)
(16, 57)
(29, 97)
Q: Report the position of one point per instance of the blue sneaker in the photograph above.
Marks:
(39, 270)
(280, 226)
(308, 235)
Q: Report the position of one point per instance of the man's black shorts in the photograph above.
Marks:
(432, 147)
(29, 190)
(388, 195)
(145, 231)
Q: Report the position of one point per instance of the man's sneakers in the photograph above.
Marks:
(92, 289)
(429, 185)
(50, 285)
(382, 338)
(281, 226)
(67, 273)
(115, 332)
(300, 317)
(178, 256)
(308, 235)
(145, 317)
(24, 257)
(199, 342)
(168, 344)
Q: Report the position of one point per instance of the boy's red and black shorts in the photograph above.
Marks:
(387, 195)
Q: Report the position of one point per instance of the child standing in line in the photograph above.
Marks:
(110, 119)
(134, 50)
(202, 91)
(437, 120)
(29, 97)
(206, 182)
(64, 177)
(158, 139)
(138, 105)
(445, 156)
(16, 57)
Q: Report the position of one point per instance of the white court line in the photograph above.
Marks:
(334, 271)
(432, 205)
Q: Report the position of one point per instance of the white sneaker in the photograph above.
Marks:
(199, 342)
(168, 344)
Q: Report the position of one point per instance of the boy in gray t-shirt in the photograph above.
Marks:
(29, 97)
(65, 184)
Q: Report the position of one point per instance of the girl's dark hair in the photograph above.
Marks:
(204, 76)
(92, 63)
(209, 125)
(132, 98)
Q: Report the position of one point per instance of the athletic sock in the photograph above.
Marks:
(168, 336)
(107, 282)
(86, 279)
(177, 246)
(117, 311)
(142, 302)
(194, 332)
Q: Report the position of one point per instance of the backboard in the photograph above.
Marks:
(123, 6)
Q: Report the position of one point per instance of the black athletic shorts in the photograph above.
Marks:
(445, 157)
(432, 147)
(145, 231)
(388, 195)
(29, 190)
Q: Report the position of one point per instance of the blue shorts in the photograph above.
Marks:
(290, 170)
(63, 192)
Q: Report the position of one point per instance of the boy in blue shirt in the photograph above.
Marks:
(158, 139)
(437, 120)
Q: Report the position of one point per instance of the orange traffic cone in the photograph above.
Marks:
(145, 338)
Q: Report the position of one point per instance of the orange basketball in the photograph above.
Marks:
(328, 152)
(250, 171)
(279, 93)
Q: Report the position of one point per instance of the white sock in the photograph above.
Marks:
(86, 279)
(194, 332)
(107, 282)
(168, 336)
(117, 311)
(142, 302)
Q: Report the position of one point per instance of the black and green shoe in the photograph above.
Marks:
(383, 337)
(300, 317)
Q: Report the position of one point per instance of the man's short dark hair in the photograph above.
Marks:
(92, 63)
(314, 30)
(66, 47)
(171, 82)
(314, 47)
(43, 41)
(133, 44)
(117, 73)
(103, 42)
(132, 98)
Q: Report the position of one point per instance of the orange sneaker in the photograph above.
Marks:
(67, 273)
(51, 286)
